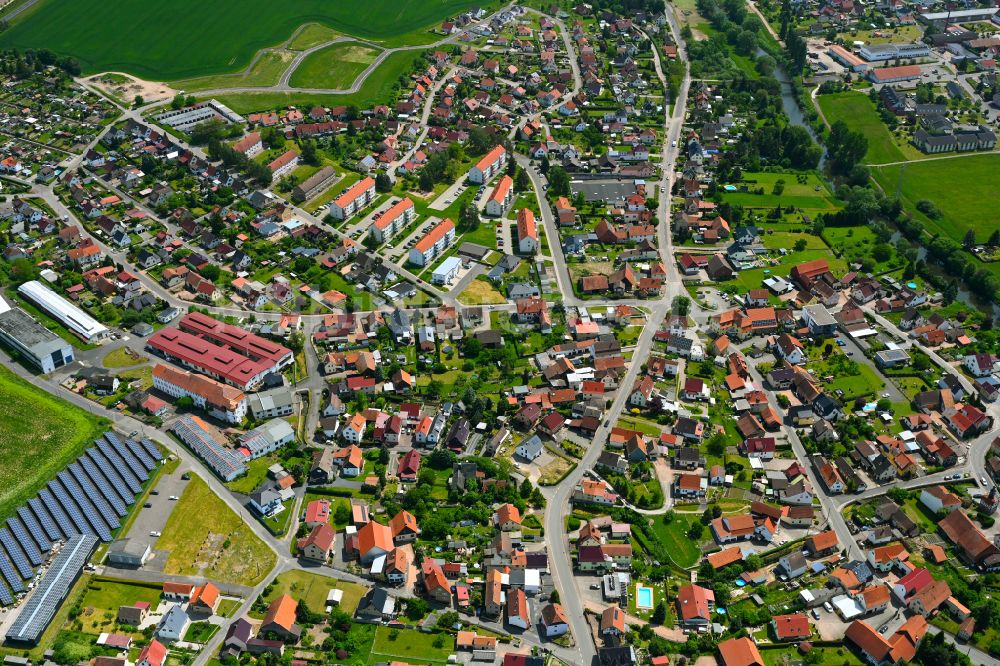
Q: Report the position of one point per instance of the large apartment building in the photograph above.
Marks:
(394, 220)
(433, 244)
(226, 403)
(353, 199)
(488, 166)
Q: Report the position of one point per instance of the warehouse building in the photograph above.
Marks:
(266, 438)
(36, 344)
(67, 314)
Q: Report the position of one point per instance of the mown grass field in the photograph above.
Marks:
(205, 537)
(377, 89)
(804, 195)
(311, 35)
(962, 189)
(410, 646)
(188, 38)
(266, 71)
(673, 536)
(39, 435)
(335, 66)
(312, 589)
(859, 113)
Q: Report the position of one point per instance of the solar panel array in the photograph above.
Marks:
(83, 503)
(27, 544)
(35, 529)
(16, 554)
(41, 607)
(45, 520)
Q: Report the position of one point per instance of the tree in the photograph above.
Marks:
(426, 180)
(558, 181)
(716, 445)
(800, 245)
(994, 240)
(845, 147)
(659, 613)
(522, 182)
(468, 217)
(970, 239)
(309, 154)
(383, 183)
(416, 608)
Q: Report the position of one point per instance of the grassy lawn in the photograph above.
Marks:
(187, 38)
(100, 603)
(378, 88)
(312, 34)
(256, 475)
(266, 71)
(788, 654)
(754, 278)
(866, 382)
(335, 66)
(122, 357)
(673, 536)
(39, 435)
(408, 645)
(960, 188)
(804, 195)
(860, 114)
(312, 589)
(200, 632)
(205, 537)
(481, 292)
(640, 425)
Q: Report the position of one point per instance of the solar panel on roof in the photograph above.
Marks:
(60, 494)
(66, 526)
(99, 480)
(49, 525)
(41, 607)
(127, 456)
(86, 509)
(27, 544)
(6, 598)
(148, 461)
(119, 466)
(94, 496)
(151, 449)
(34, 528)
(112, 475)
(16, 554)
(7, 569)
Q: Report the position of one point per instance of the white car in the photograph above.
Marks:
(174, 497)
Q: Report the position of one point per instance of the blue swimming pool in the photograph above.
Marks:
(643, 597)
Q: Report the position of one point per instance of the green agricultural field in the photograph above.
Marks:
(860, 114)
(378, 88)
(266, 71)
(39, 435)
(188, 38)
(962, 189)
(335, 66)
(312, 35)
(204, 537)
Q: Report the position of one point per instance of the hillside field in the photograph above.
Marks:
(962, 189)
(165, 41)
(39, 435)
(335, 66)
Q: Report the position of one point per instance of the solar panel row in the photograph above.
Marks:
(7, 569)
(98, 479)
(45, 519)
(133, 463)
(148, 461)
(94, 496)
(97, 459)
(27, 544)
(151, 449)
(16, 554)
(80, 524)
(6, 598)
(87, 510)
(116, 463)
(35, 529)
(66, 526)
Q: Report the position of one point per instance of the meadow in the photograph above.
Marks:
(962, 189)
(39, 435)
(189, 38)
(205, 537)
(811, 195)
(377, 88)
(266, 71)
(859, 113)
(335, 66)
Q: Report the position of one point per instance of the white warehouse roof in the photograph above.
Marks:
(65, 312)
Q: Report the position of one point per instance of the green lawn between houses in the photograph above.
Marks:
(312, 590)
(411, 646)
(673, 536)
(858, 111)
(188, 38)
(804, 195)
(39, 435)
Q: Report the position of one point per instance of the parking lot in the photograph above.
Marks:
(153, 518)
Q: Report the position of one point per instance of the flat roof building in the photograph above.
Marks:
(266, 438)
(446, 271)
(67, 314)
(218, 362)
(37, 344)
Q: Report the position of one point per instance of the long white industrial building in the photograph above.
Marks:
(63, 311)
